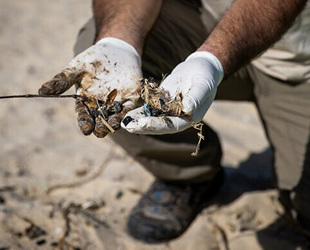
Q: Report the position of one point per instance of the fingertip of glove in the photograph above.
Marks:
(44, 90)
(86, 125)
(126, 121)
(130, 124)
(41, 91)
(48, 89)
(86, 132)
(100, 131)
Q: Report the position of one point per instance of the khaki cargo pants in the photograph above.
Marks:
(284, 108)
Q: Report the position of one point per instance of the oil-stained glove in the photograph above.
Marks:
(109, 74)
(195, 81)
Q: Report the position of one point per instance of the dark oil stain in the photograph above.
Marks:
(168, 121)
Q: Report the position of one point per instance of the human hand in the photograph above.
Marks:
(108, 74)
(195, 81)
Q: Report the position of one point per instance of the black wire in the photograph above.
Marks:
(43, 96)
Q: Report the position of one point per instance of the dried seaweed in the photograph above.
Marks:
(158, 102)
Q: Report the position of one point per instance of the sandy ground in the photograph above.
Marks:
(61, 190)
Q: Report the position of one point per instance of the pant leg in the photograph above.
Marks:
(285, 110)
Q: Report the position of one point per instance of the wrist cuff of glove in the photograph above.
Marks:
(219, 71)
(115, 42)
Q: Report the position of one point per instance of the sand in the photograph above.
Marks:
(61, 190)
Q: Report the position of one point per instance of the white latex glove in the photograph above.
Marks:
(110, 69)
(197, 79)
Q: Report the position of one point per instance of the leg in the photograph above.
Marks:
(284, 108)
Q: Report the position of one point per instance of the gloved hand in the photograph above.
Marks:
(109, 73)
(196, 79)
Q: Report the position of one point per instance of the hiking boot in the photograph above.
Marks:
(167, 209)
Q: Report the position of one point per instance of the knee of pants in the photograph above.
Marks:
(85, 37)
(168, 157)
